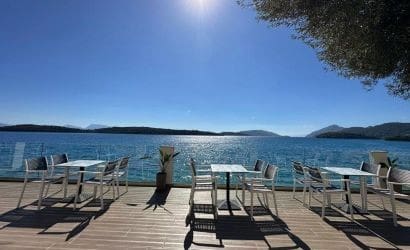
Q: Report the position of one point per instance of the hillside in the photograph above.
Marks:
(149, 130)
(393, 130)
(258, 133)
(331, 128)
(39, 128)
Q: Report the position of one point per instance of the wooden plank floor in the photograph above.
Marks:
(141, 219)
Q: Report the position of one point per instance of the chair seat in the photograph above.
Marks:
(204, 187)
(303, 180)
(49, 179)
(121, 173)
(95, 180)
(329, 189)
(386, 192)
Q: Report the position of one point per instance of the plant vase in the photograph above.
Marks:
(161, 181)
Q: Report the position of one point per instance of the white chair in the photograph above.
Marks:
(300, 177)
(255, 172)
(202, 183)
(122, 172)
(259, 185)
(324, 186)
(40, 167)
(395, 178)
(105, 177)
(59, 159)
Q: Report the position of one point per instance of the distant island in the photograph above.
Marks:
(387, 131)
(95, 128)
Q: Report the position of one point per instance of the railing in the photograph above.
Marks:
(144, 159)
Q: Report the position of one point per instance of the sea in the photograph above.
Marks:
(144, 152)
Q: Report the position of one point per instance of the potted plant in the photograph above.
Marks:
(164, 160)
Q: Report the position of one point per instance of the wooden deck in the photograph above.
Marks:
(141, 219)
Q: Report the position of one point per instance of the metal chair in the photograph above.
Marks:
(395, 178)
(105, 177)
(258, 185)
(324, 186)
(256, 172)
(59, 159)
(122, 171)
(40, 167)
(300, 177)
(202, 183)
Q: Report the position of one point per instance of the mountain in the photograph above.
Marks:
(331, 128)
(390, 130)
(3, 125)
(72, 126)
(95, 126)
(258, 133)
(148, 130)
(39, 128)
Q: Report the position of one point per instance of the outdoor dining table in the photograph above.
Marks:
(346, 173)
(228, 169)
(82, 164)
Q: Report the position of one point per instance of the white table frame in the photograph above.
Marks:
(82, 164)
(228, 169)
(346, 173)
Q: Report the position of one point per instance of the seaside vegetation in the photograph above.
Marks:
(366, 40)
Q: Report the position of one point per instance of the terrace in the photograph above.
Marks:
(142, 219)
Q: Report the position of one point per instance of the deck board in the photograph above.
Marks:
(140, 219)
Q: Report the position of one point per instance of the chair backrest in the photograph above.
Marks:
(124, 162)
(374, 169)
(192, 166)
(110, 167)
(297, 167)
(37, 164)
(398, 175)
(314, 174)
(258, 165)
(58, 159)
(270, 172)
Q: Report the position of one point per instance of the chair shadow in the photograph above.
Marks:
(241, 227)
(384, 230)
(158, 199)
(49, 217)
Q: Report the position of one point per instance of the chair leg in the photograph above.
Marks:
(251, 205)
(101, 196)
(126, 180)
(243, 194)
(266, 200)
(381, 199)
(329, 200)
(77, 191)
(304, 194)
(323, 205)
(294, 188)
(393, 209)
(113, 190)
(95, 192)
(274, 202)
(22, 191)
(349, 196)
(118, 187)
(40, 195)
(310, 197)
(48, 187)
(191, 196)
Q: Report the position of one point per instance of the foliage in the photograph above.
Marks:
(165, 159)
(368, 40)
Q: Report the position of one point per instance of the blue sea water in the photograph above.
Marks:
(205, 149)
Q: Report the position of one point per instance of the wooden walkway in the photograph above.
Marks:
(142, 219)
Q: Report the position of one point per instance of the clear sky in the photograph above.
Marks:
(191, 64)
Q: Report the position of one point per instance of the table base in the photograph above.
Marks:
(229, 205)
(81, 198)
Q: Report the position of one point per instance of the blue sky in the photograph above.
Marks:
(192, 64)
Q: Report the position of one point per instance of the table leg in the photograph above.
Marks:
(345, 206)
(66, 175)
(228, 184)
(363, 193)
(82, 180)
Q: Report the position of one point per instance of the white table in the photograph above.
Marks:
(347, 172)
(82, 164)
(228, 169)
